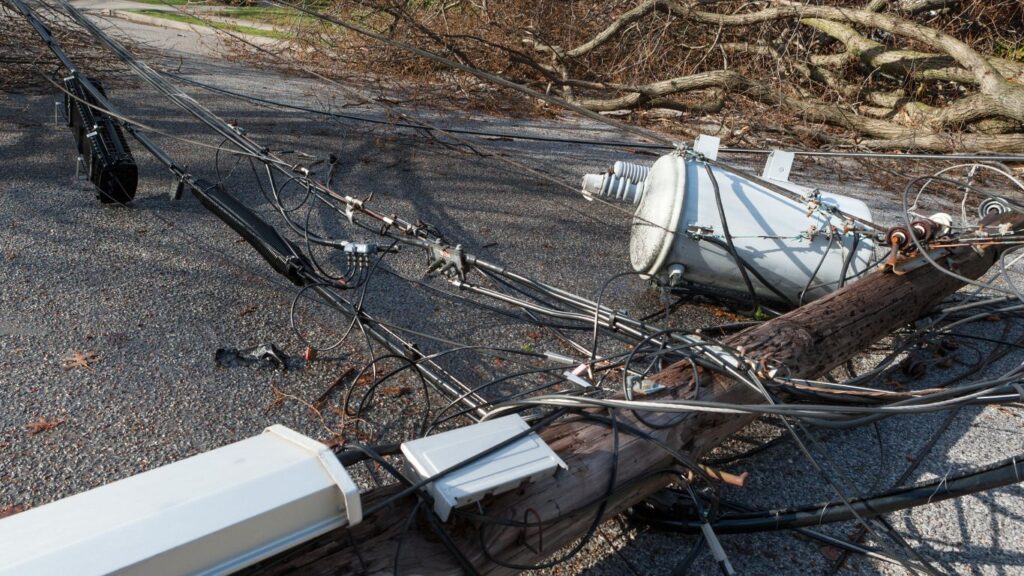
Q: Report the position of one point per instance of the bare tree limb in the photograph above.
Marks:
(910, 63)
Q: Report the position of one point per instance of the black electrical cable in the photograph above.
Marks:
(742, 264)
(821, 262)
(597, 309)
(422, 498)
(598, 515)
(774, 442)
(627, 388)
(849, 259)
(415, 487)
(1000, 474)
(401, 535)
(438, 420)
(366, 402)
(409, 363)
(1017, 345)
(847, 546)
(728, 239)
(601, 143)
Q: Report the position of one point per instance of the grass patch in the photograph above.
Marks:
(237, 28)
(266, 15)
(164, 2)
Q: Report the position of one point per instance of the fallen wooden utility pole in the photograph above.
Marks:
(805, 343)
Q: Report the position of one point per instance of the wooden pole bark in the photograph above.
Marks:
(804, 343)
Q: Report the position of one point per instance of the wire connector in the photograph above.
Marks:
(644, 386)
(357, 254)
(360, 248)
(446, 260)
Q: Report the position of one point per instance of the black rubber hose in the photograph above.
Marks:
(849, 259)
(353, 457)
(824, 256)
(1009, 471)
(744, 265)
(284, 256)
(728, 237)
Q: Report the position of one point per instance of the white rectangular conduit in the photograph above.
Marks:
(213, 513)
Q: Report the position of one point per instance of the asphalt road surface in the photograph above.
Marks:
(155, 289)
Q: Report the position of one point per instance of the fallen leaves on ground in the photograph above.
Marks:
(42, 424)
(340, 380)
(81, 360)
(11, 510)
(394, 391)
(334, 441)
(831, 553)
(279, 398)
(719, 312)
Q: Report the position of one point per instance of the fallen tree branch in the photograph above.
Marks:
(906, 63)
(997, 106)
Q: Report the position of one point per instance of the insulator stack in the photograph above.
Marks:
(625, 182)
(633, 172)
(898, 237)
(924, 230)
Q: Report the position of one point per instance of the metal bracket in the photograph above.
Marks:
(181, 186)
(446, 260)
(707, 146)
(778, 166)
(697, 231)
(643, 386)
(905, 265)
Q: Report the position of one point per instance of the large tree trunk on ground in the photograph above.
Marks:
(807, 343)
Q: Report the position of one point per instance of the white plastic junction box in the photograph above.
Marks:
(525, 460)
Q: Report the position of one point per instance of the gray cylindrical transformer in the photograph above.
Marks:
(677, 223)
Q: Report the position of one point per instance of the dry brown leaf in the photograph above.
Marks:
(279, 398)
(831, 553)
(394, 391)
(41, 424)
(81, 360)
(11, 510)
(723, 313)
